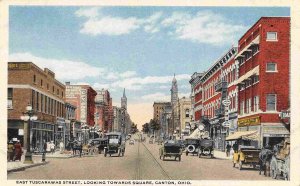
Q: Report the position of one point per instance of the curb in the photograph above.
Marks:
(58, 157)
(26, 167)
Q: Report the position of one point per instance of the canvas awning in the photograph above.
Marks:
(239, 134)
(254, 71)
(254, 137)
(254, 42)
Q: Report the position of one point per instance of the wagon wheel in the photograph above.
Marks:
(240, 165)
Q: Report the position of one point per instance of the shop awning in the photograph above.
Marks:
(239, 134)
(252, 72)
(254, 42)
(254, 137)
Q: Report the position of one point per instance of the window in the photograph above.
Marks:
(271, 102)
(242, 108)
(249, 105)
(53, 89)
(34, 78)
(47, 86)
(37, 101)
(9, 98)
(255, 49)
(271, 36)
(42, 103)
(32, 99)
(57, 91)
(271, 67)
(248, 83)
(255, 79)
(187, 113)
(41, 82)
(256, 104)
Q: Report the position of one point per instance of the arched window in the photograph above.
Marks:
(187, 113)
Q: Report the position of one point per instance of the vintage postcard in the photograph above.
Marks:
(150, 93)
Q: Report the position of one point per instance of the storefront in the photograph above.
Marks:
(274, 133)
(40, 132)
(60, 131)
(15, 131)
(252, 125)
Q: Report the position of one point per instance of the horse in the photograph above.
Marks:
(265, 156)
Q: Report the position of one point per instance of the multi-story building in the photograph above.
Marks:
(30, 85)
(73, 130)
(83, 97)
(166, 120)
(159, 108)
(183, 110)
(264, 60)
(104, 110)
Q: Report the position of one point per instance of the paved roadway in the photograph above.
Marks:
(141, 161)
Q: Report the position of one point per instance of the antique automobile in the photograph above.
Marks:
(192, 146)
(102, 142)
(181, 143)
(170, 149)
(246, 155)
(206, 148)
(115, 144)
(151, 141)
(280, 162)
(131, 142)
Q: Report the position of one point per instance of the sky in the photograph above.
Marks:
(136, 48)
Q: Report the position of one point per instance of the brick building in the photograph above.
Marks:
(104, 110)
(264, 58)
(83, 97)
(29, 84)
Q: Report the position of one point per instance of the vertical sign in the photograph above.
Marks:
(83, 105)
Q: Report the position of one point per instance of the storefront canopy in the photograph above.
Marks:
(254, 137)
(239, 135)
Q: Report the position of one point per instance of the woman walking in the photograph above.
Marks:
(18, 151)
(10, 151)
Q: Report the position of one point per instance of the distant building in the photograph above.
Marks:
(104, 110)
(29, 84)
(183, 111)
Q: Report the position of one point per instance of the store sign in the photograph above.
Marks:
(249, 121)
(19, 66)
(226, 102)
(83, 105)
(284, 114)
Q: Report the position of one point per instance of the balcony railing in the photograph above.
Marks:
(221, 85)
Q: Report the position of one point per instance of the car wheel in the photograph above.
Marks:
(163, 158)
(179, 158)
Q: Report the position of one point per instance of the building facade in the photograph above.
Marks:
(83, 97)
(29, 84)
(104, 111)
(263, 84)
(183, 110)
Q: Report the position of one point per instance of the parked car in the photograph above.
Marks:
(115, 144)
(206, 148)
(182, 144)
(192, 146)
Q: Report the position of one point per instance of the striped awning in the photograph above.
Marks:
(239, 135)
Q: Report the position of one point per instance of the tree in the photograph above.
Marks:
(154, 125)
(146, 128)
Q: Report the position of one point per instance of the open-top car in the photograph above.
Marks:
(115, 144)
(206, 148)
(192, 146)
(170, 149)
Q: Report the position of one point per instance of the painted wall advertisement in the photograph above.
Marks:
(83, 105)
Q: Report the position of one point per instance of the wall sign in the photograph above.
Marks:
(249, 121)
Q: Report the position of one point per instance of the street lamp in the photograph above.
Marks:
(28, 116)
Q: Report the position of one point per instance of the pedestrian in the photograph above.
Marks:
(228, 146)
(10, 151)
(231, 152)
(52, 147)
(235, 147)
(61, 147)
(18, 151)
(45, 146)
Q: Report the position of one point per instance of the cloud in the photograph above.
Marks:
(128, 74)
(76, 70)
(97, 24)
(205, 27)
(88, 12)
(158, 96)
(110, 26)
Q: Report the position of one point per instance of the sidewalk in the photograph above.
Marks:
(221, 155)
(14, 166)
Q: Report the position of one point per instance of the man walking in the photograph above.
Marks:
(228, 147)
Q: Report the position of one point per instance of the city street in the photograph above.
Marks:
(141, 161)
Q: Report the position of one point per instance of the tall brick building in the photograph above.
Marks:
(264, 58)
(104, 110)
(29, 84)
(83, 97)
